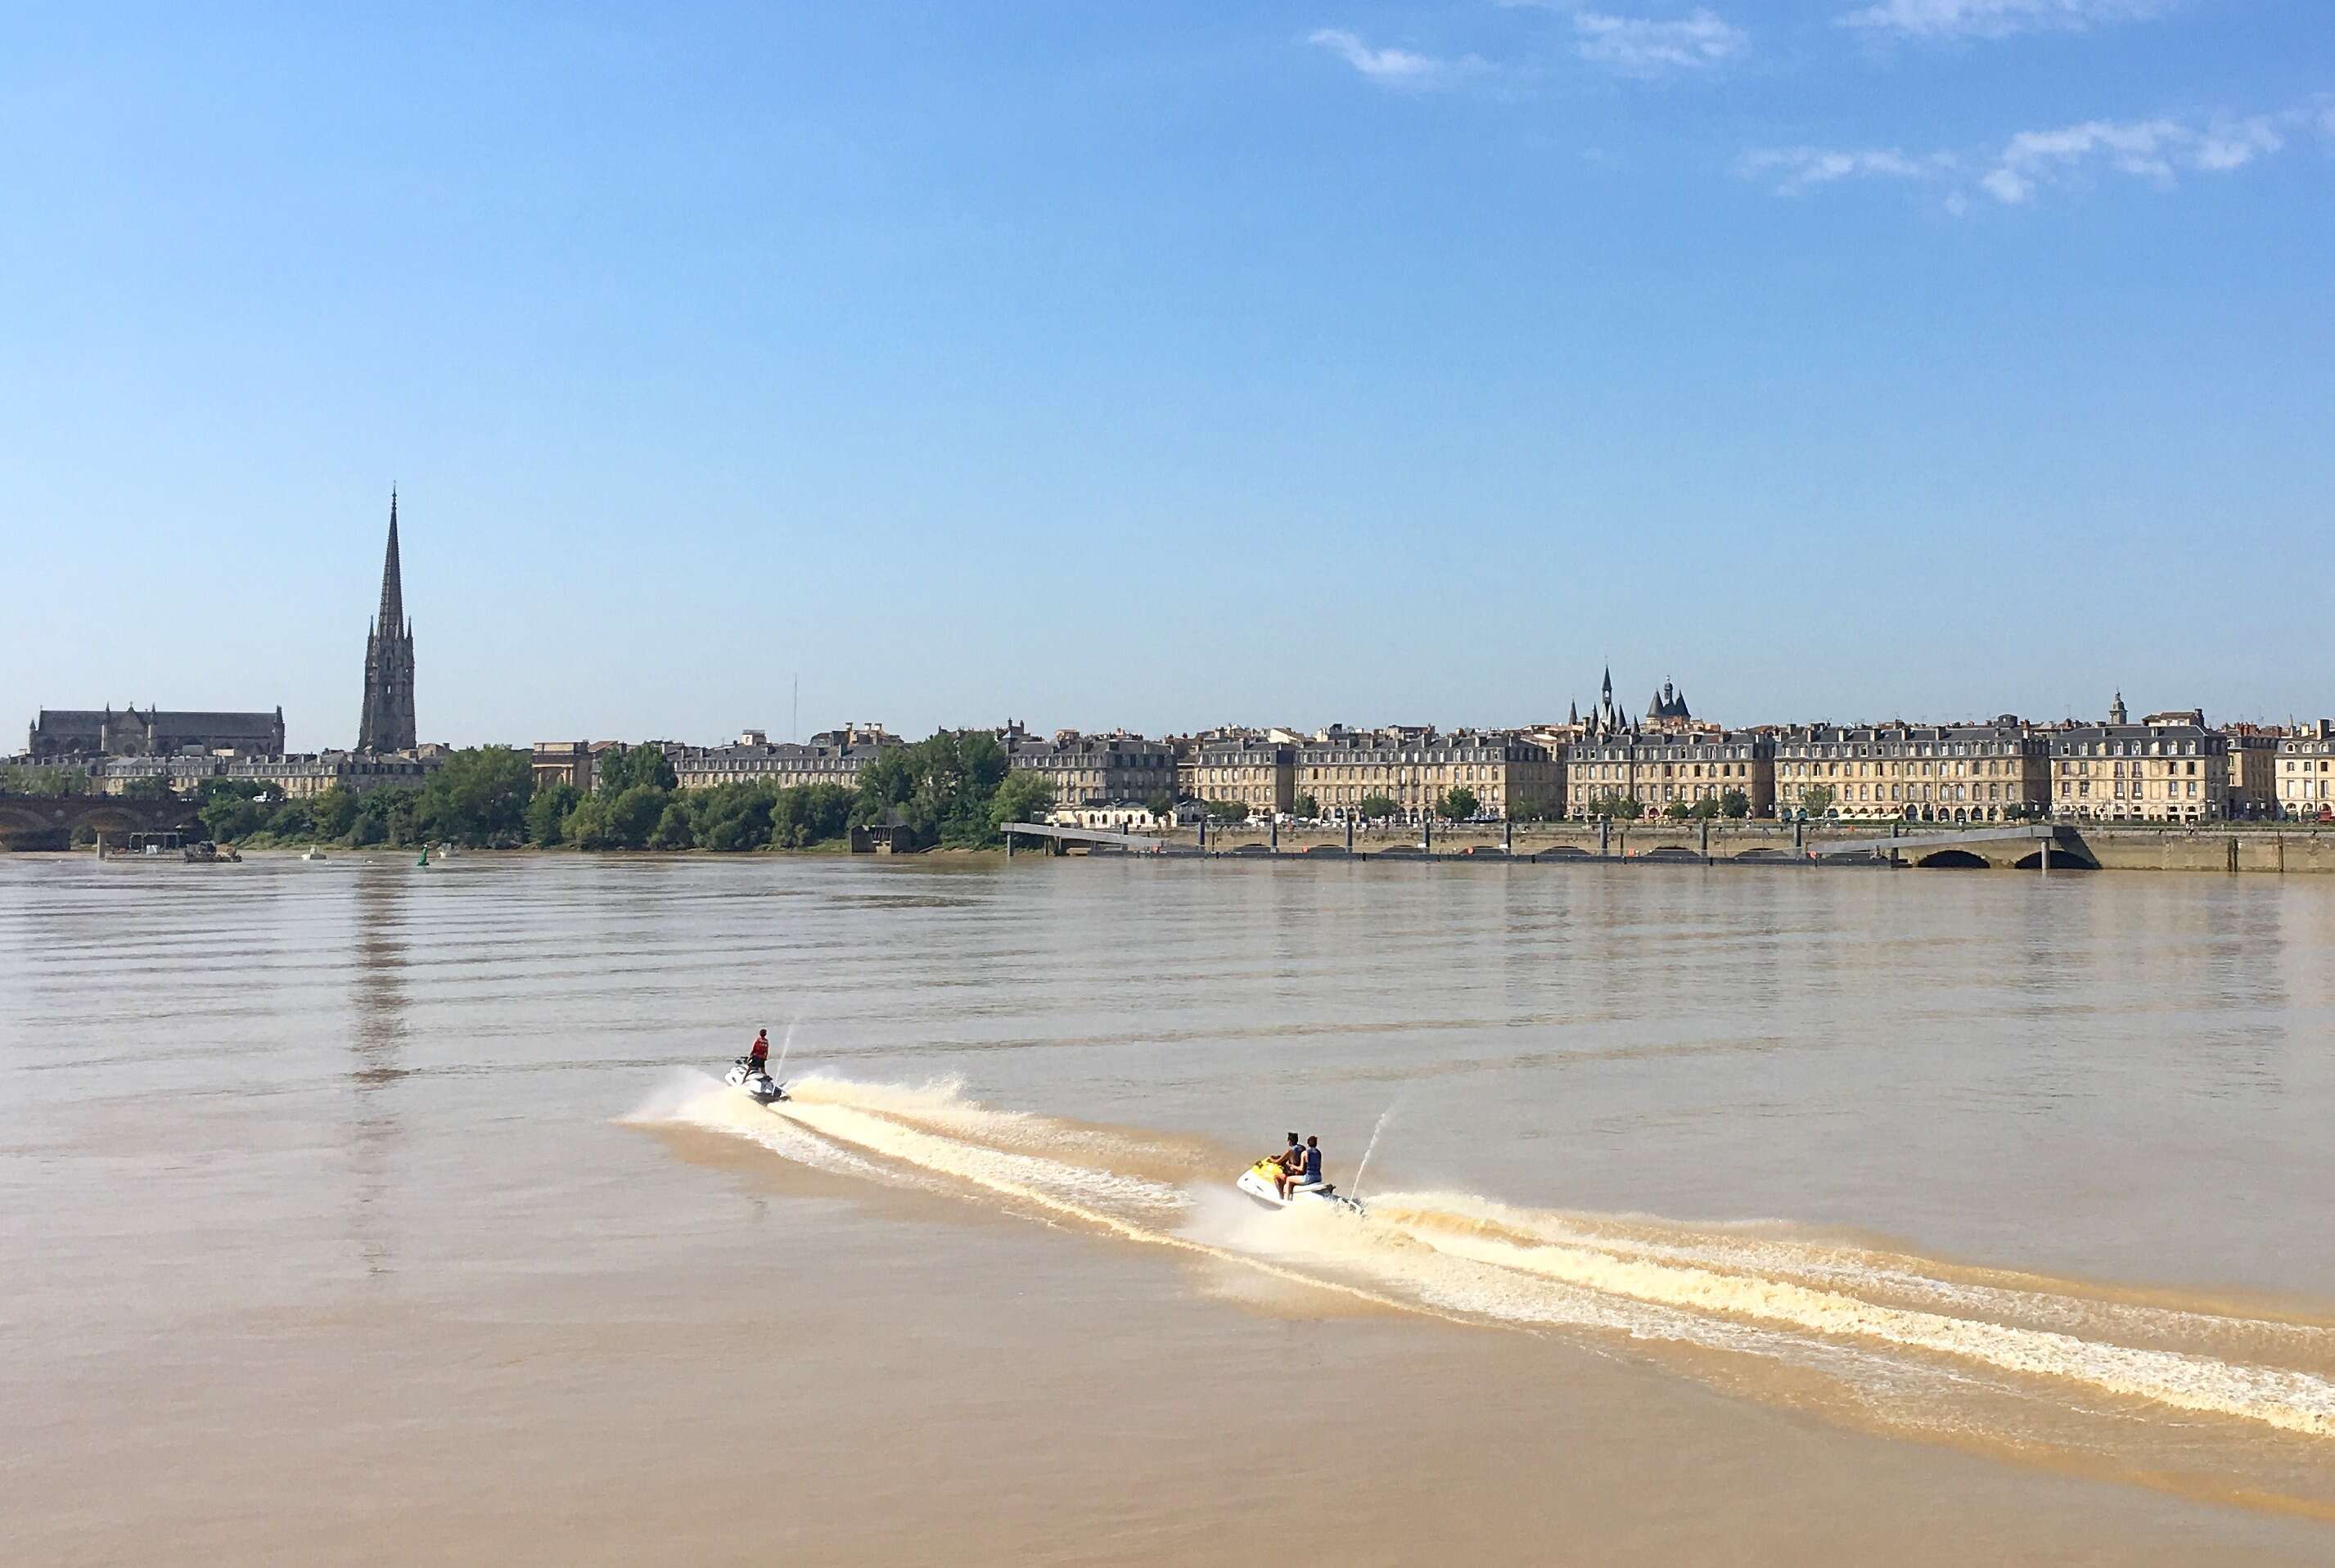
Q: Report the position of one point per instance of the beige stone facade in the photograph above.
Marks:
(300, 775)
(566, 763)
(1260, 775)
(118, 774)
(1924, 774)
(356, 773)
(1678, 766)
(1096, 769)
(834, 757)
(1188, 768)
(2165, 772)
(2306, 774)
(1417, 768)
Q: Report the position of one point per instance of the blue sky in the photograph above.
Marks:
(1169, 365)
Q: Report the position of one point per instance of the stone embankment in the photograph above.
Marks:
(2225, 847)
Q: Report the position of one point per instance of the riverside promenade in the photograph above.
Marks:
(2272, 849)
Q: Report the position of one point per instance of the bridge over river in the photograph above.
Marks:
(53, 821)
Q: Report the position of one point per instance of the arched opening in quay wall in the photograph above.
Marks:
(2062, 860)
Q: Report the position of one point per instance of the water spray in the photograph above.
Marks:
(1384, 1116)
(785, 1044)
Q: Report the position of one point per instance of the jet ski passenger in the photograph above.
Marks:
(759, 1058)
(1310, 1172)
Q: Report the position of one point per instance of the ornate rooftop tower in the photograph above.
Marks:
(1606, 718)
(387, 723)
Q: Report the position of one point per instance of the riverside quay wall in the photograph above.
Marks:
(2283, 850)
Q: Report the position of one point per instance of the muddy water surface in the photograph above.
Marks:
(360, 1213)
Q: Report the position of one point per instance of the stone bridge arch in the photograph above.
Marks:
(51, 821)
(2064, 858)
(118, 822)
(26, 817)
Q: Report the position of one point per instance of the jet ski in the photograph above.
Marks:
(1257, 1181)
(756, 1081)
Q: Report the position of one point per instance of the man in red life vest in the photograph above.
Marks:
(759, 1058)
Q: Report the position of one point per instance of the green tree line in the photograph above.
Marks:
(952, 789)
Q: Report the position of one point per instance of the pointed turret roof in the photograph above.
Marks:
(391, 618)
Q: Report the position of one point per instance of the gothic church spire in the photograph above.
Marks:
(386, 722)
(393, 579)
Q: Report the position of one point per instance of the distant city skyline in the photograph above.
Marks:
(1170, 368)
(320, 732)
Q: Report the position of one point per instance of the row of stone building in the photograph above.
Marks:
(1269, 772)
(2169, 767)
(298, 774)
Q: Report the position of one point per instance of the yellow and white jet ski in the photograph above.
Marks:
(1259, 1182)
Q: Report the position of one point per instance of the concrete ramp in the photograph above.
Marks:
(1082, 835)
(1920, 843)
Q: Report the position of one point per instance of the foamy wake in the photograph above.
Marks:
(2296, 1402)
(1913, 1342)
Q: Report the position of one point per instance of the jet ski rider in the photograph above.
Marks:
(1290, 1160)
(759, 1058)
(1309, 1173)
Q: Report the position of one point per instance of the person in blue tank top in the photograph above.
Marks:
(1287, 1164)
(1310, 1174)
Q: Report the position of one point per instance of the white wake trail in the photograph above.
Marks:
(1468, 1259)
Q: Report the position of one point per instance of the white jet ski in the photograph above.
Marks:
(756, 1081)
(1257, 1181)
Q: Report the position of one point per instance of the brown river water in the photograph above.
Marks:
(355, 1213)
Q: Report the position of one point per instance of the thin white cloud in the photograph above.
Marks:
(2160, 152)
(1399, 69)
(1795, 170)
(2157, 150)
(1645, 48)
(1998, 18)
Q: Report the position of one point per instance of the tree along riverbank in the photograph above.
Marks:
(952, 790)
